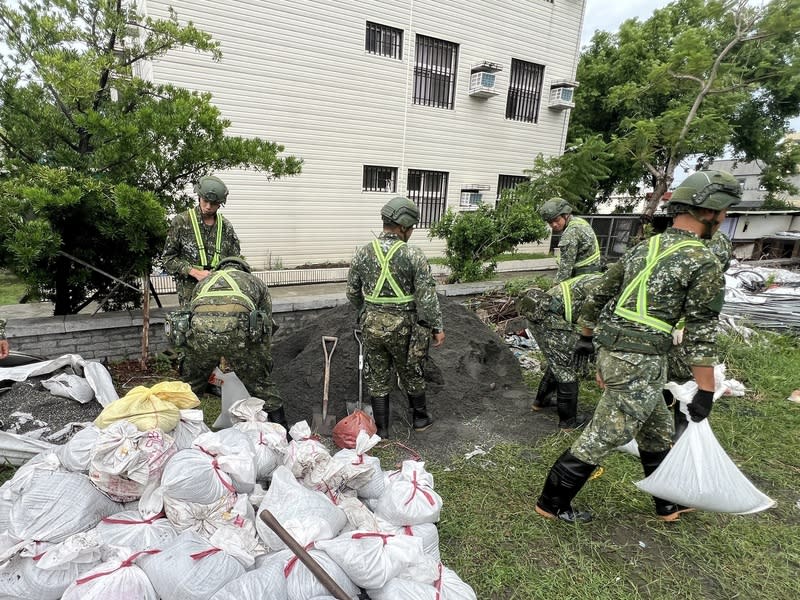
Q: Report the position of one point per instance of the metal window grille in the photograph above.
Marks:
(508, 182)
(428, 190)
(524, 91)
(384, 40)
(379, 179)
(435, 72)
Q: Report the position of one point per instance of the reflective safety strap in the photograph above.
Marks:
(594, 256)
(201, 247)
(566, 292)
(386, 276)
(639, 285)
(233, 292)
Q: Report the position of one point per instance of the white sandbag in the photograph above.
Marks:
(358, 515)
(305, 453)
(448, 586)
(194, 476)
(127, 529)
(367, 476)
(18, 449)
(125, 460)
(190, 426)
(189, 568)
(269, 439)
(117, 578)
(266, 581)
(428, 533)
(233, 390)
(409, 498)
(302, 584)
(234, 453)
(23, 579)
(67, 385)
(54, 505)
(100, 381)
(6, 500)
(370, 559)
(76, 453)
(308, 516)
(697, 472)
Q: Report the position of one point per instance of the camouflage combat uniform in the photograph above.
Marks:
(226, 324)
(395, 334)
(579, 251)
(2, 329)
(632, 356)
(679, 369)
(181, 252)
(552, 321)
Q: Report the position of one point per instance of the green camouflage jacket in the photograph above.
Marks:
(685, 284)
(180, 249)
(722, 247)
(411, 270)
(577, 243)
(549, 307)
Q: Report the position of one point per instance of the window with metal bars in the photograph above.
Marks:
(435, 72)
(524, 91)
(384, 40)
(428, 190)
(508, 182)
(379, 179)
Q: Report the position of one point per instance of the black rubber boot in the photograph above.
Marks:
(545, 394)
(567, 406)
(380, 412)
(279, 416)
(420, 418)
(666, 511)
(565, 480)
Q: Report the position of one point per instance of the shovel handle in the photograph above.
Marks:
(304, 557)
(326, 339)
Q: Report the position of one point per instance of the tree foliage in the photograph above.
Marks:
(474, 239)
(93, 156)
(695, 78)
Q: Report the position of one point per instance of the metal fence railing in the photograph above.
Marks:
(164, 284)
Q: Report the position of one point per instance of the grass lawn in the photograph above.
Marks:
(11, 289)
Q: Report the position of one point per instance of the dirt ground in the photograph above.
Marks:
(476, 394)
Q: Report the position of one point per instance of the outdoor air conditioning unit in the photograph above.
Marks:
(562, 95)
(482, 84)
(470, 199)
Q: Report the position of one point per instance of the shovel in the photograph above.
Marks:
(322, 423)
(354, 406)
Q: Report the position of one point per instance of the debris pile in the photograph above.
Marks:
(762, 297)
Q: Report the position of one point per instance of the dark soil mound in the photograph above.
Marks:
(475, 390)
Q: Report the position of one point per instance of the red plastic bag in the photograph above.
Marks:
(346, 431)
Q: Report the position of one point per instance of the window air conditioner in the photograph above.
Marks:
(482, 84)
(470, 199)
(562, 98)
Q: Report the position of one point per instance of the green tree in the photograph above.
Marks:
(474, 239)
(94, 157)
(694, 79)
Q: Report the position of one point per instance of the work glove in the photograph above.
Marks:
(700, 407)
(584, 350)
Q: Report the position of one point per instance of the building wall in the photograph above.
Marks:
(297, 73)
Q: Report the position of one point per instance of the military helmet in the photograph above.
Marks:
(715, 190)
(402, 211)
(212, 189)
(550, 210)
(236, 262)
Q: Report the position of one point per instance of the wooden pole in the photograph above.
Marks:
(145, 321)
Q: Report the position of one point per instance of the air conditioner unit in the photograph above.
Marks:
(562, 97)
(470, 199)
(482, 84)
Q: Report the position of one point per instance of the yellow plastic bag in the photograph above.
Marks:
(150, 408)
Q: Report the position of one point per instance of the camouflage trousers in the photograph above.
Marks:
(211, 338)
(394, 340)
(557, 346)
(631, 407)
(184, 286)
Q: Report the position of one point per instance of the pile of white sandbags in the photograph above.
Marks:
(125, 512)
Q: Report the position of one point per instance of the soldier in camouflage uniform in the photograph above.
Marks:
(671, 276)
(579, 251)
(199, 238)
(391, 285)
(3, 340)
(552, 317)
(232, 318)
(678, 368)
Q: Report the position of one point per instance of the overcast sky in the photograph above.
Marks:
(608, 16)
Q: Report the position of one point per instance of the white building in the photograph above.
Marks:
(446, 101)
